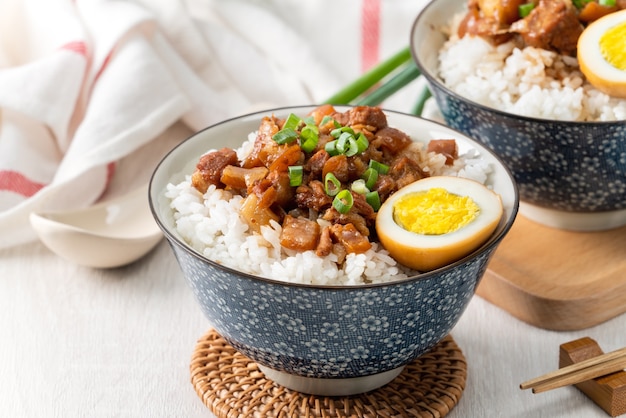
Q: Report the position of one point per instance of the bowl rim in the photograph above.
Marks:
(433, 79)
(493, 240)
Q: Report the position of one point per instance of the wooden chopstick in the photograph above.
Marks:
(579, 372)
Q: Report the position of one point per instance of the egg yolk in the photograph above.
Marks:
(613, 46)
(602, 53)
(434, 212)
(437, 220)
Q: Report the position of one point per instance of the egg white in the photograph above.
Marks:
(594, 66)
(426, 252)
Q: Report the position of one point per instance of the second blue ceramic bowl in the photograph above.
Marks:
(571, 175)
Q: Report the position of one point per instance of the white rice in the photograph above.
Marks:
(210, 223)
(529, 82)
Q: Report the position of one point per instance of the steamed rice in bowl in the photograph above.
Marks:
(563, 139)
(309, 333)
(210, 223)
(527, 82)
(521, 79)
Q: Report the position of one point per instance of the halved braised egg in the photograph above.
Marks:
(437, 220)
(602, 53)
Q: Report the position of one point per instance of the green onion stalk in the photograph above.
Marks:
(370, 78)
(405, 72)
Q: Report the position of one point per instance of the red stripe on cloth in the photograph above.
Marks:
(110, 172)
(104, 65)
(370, 33)
(77, 46)
(15, 182)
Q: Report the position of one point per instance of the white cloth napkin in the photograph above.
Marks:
(90, 86)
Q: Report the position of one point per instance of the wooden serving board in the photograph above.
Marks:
(556, 279)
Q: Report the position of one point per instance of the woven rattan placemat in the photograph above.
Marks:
(231, 385)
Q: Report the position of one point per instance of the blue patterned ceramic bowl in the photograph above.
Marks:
(571, 175)
(327, 340)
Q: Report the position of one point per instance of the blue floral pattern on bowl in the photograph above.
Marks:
(328, 340)
(331, 332)
(562, 168)
(569, 166)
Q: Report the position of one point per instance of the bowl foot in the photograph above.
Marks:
(331, 387)
(572, 221)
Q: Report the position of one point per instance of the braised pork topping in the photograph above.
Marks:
(322, 178)
(553, 25)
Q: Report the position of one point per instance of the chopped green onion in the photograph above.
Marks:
(347, 142)
(370, 176)
(331, 148)
(373, 199)
(580, 3)
(337, 132)
(285, 136)
(607, 3)
(308, 138)
(380, 167)
(525, 9)
(332, 185)
(370, 78)
(292, 122)
(309, 120)
(343, 201)
(295, 175)
(362, 143)
(358, 186)
(353, 147)
(326, 119)
(342, 143)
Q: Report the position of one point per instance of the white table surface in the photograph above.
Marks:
(81, 342)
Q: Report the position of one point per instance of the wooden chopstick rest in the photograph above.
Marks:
(600, 376)
(590, 368)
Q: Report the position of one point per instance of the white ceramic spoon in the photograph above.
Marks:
(109, 234)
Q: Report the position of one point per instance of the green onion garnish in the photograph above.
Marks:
(308, 138)
(362, 143)
(347, 142)
(332, 185)
(380, 167)
(337, 132)
(343, 201)
(342, 143)
(353, 147)
(358, 186)
(607, 3)
(292, 122)
(326, 119)
(525, 9)
(331, 148)
(370, 176)
(285, 136)
(295, 175)
(373, 199)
